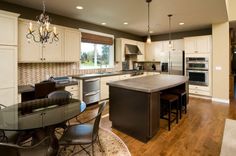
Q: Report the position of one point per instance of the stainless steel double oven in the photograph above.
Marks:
(197, 69)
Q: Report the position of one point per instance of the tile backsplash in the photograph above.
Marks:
(31, 73)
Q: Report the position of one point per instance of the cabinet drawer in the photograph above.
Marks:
(74, 93)
(91, 97)
(201, 88)
(199, 92)
(72, 88)
(91, 85)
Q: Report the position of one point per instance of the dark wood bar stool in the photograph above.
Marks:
(168, 103)
(182, 100)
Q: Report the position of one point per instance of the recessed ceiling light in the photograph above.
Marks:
(125, 23)
(181, 23)
(150, 31)
(79, 7)
(103, 23)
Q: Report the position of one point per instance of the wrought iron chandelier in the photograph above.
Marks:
(149, 36)
(44, 33)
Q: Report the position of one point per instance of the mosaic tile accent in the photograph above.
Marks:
(31, 73)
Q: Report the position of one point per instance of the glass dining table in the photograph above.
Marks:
(41, 114)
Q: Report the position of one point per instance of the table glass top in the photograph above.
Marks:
(39, 113)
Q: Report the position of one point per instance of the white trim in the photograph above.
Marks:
(96, 33)
(7, 13)
(201, 97)
(227, 101)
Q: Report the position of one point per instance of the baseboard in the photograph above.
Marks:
(200, 96)
(221, 100)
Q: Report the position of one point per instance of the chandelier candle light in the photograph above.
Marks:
(149, 36)
(44, 32)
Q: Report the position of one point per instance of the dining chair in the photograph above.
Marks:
(84, 135)
(39, 149)
(42, 89)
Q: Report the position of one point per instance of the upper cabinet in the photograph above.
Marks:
(72, 45)
(8, 28)
(198, 44)
(120, 49)
(159, 50)
(66, 49)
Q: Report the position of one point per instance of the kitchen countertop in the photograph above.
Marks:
(105, 74)
(30, 88)
(150, 83)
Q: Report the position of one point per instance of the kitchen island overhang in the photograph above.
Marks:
(135, 103)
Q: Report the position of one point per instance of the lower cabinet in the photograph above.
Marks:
(74, 90)
(105, 88)
(8, 96)
(199, 90)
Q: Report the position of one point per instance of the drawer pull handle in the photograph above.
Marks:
(92, 93)
(91, 80)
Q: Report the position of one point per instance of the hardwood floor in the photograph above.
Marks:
(198, 133)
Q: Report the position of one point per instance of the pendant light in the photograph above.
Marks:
(170, 44)
(149, 36)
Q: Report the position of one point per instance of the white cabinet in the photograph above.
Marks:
(72, 45)
(198, 44)
(74, 90)
(8, 57)
(8, 28)
(30, 51)
(104, 94)
(8, 78)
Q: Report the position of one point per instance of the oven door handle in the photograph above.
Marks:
(197, 71)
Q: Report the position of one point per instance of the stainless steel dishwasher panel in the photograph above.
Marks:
(90, 85)
(91, 90)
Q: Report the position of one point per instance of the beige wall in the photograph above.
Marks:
(220, 36)
(231, 9)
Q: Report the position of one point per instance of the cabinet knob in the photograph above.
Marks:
(196, 51)
(41, 59)
(44, 59)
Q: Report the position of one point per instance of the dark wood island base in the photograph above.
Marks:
(137, 112)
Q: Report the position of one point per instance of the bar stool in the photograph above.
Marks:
(182, 99)
(167, 104)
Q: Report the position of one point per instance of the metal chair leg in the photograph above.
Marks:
(169, 117)
(100, 145)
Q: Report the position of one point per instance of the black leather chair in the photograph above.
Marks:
(84, 135)
(42, 89)
(39, 149)
(60, 94)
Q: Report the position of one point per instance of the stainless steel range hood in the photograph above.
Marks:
(132, 50)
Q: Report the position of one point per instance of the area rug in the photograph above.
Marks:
(111, 143)
(228, 147)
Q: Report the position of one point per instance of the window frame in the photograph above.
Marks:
(111, 56)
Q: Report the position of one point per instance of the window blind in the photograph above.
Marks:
(92, 38)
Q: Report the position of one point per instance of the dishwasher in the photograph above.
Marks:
(91, 90)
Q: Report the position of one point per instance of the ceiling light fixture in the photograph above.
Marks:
(125, 23)
(151, 32)
(181, 23)
(104, 23)
(149, 36)
(79, 7)
(44, 32)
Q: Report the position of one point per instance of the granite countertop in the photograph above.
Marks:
(150, 83)
(30, 88)
(105, 74)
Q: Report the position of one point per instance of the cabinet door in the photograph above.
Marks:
(178, 45)
(190, 45)
(54, 52)
(29, 51)
(8, 28)
(105, 88)
(141, 47)
(72, 45)
(8, 78)
(203, 44)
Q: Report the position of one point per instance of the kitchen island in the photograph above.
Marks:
(135, 103)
